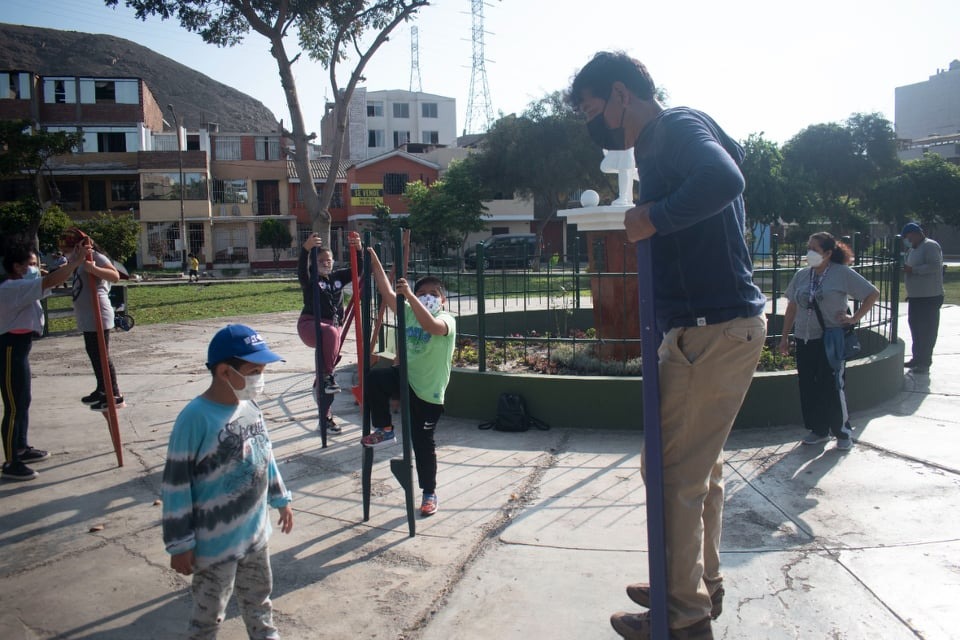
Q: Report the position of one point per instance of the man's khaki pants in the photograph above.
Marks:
(704, 375)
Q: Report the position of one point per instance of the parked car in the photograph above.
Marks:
(506, 250)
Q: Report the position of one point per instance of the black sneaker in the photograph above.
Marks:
(18, 471)
(93, 398)
(333, 427)
(103, 407)
(330, 385)
(32, 455)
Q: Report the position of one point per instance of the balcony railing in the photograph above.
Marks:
(266, 207)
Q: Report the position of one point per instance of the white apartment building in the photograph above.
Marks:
(381, 121)
(927, 116)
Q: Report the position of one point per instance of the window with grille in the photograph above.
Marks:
(267, 148)
(124, 190)
(111, 141)
(337, 201)
(71, 194)
(166, 186)
(15, 86)
(394, 183)
(226, 147)
(230, 191)
(162, 240)
(59, 90)
(104, 91)
(304, 231)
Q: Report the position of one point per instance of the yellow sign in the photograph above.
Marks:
(366, 195)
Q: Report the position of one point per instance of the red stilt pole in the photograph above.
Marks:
(113, 422)
(355, 308)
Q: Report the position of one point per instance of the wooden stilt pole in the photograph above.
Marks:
(113, 421)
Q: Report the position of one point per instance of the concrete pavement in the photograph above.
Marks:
(537, 532)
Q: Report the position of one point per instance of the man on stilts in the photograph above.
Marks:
(708, 310)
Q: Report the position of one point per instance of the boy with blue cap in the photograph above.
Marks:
(219, 476)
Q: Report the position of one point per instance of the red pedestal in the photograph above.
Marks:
(613, 263)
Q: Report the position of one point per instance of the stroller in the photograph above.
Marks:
(118, 300)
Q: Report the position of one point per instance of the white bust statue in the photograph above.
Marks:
(623, 164)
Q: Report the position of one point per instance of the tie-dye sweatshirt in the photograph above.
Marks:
(219, 476)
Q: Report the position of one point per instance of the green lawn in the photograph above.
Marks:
(177, 303)
(951, 287)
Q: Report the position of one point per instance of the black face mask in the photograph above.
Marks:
(605, 137)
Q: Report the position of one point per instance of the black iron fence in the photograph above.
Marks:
(559, 315)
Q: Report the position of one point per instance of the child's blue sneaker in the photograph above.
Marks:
(429, 505)
(379, 438)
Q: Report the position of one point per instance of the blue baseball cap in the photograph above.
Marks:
(910, 227)
(239, 341)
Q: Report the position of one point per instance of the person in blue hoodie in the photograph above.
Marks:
(219, 477)
(709, 310)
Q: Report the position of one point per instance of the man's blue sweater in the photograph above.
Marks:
(702, 272)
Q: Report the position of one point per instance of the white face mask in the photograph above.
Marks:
(253, 386)
(32, 273)
(432, 303)
(814, 259)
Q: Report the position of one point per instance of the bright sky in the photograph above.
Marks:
(754, 65)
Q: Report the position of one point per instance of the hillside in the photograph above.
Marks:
(197, 98)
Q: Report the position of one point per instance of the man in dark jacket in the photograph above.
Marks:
(707, 306)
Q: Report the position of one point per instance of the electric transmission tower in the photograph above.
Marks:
(416, 84)
(479, 109)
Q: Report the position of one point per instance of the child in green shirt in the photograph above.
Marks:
(430, 336)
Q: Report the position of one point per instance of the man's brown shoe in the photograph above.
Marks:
(640, 593)
(636, 626)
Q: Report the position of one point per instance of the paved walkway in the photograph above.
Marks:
(536, 536)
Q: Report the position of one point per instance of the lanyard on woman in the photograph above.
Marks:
(816, 284)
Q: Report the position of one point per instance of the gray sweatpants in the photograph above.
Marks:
(212, 588)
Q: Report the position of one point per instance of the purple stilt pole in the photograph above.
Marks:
(653, 444)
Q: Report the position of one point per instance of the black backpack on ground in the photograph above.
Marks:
(512, 415)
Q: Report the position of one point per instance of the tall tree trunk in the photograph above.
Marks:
(317, 210)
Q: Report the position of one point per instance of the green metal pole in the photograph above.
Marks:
(481, 312)
(402, 468)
